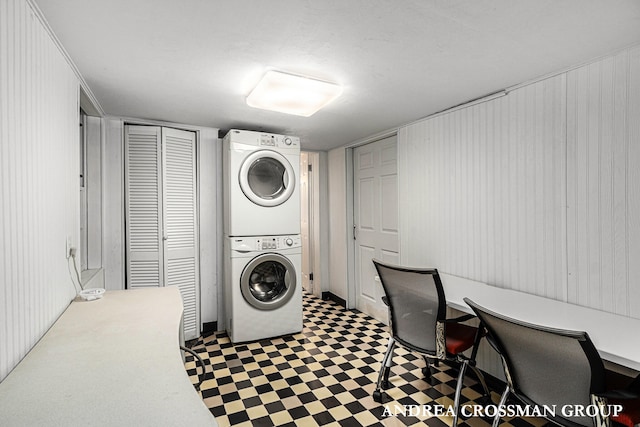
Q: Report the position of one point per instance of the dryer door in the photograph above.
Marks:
(268, 281)
(267, 178)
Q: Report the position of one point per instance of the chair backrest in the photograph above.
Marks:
(416, 302)
(546, 366)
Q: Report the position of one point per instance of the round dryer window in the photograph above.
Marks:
(268, 281)
(267, 178)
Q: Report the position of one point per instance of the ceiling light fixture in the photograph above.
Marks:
(292, 94)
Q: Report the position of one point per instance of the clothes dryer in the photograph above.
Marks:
(263, 287)
(261, 189)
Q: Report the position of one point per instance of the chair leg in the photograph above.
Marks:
(456, 401)
(503, 400)
(478, 373)
(385, 367)
(426, 371)
(385, 380)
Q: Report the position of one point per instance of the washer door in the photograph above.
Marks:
(267, 178)
(268, 281)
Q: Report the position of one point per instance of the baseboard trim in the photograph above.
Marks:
(209, 328)
(328, 296)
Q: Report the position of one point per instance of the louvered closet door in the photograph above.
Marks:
(162, 233)
(180, 222)
(143, 206)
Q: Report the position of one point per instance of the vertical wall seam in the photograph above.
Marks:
(600, 236)
(627, 140)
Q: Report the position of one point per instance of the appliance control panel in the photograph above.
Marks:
(277, 242)
(265, 243)
(269, 244)
(238, 139)
(271, 140)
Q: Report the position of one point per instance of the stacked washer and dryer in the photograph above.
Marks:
(263, 251)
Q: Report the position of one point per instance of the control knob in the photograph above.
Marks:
(288, 241)
(287, 141)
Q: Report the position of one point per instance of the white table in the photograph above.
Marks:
(615, 336)
(110, 362)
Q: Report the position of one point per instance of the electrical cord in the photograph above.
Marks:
(72, 254)
(201, 362)
(75, 267)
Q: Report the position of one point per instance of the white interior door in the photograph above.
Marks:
(180, 236)
(375, 219)
(161, 215)
(143, 162)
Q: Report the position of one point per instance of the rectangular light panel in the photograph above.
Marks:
(292, 94)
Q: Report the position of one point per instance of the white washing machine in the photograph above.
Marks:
(261, 189)
(263, 286)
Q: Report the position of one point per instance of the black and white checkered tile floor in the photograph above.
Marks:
(324, 376)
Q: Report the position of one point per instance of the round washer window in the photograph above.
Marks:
(267, 178)
(268, 281)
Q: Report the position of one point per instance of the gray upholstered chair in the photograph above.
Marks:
(417, 320)
(555, 367)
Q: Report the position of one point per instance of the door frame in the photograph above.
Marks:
(307, 219)
(317, 251)
(110, 130)
(350, 193)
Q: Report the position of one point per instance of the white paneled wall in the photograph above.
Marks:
(538, 190)
(483, 191)
(39, 187)
(603, 184)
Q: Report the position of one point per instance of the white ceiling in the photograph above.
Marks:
(194, 61)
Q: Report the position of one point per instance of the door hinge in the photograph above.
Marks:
(311, 277)
(310, 168)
